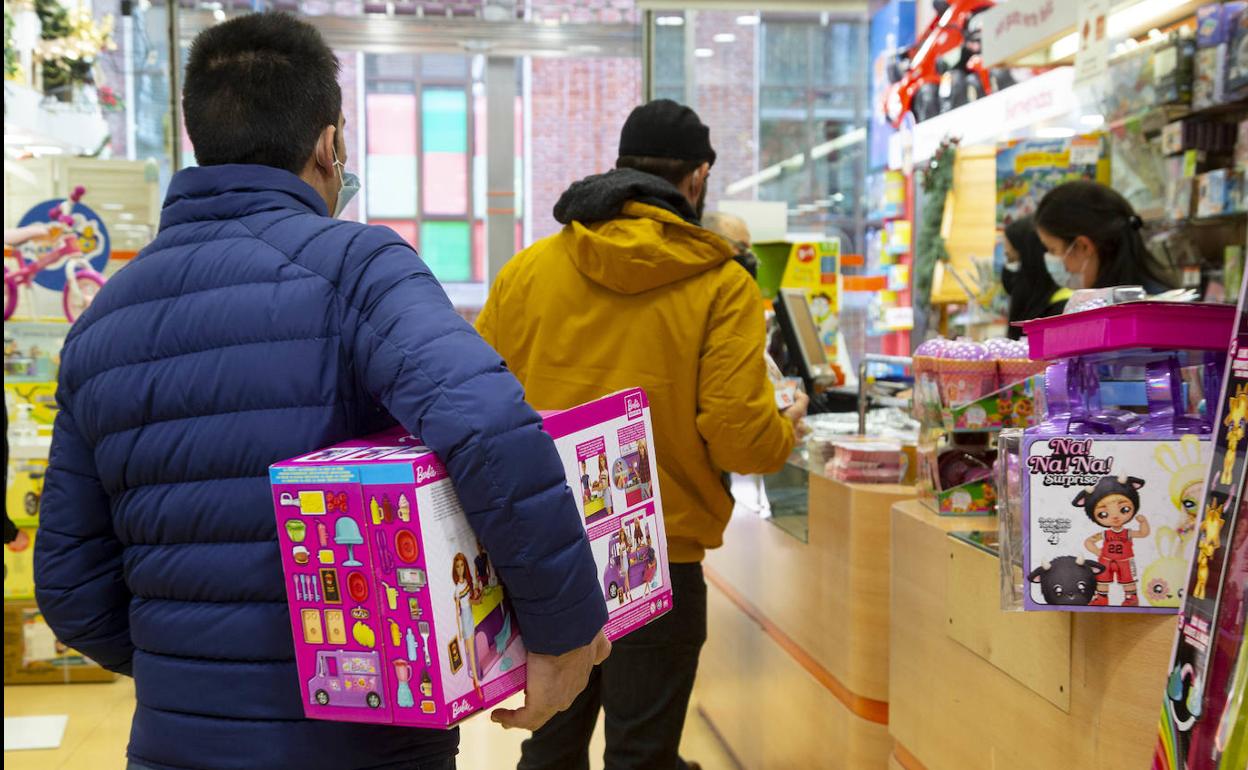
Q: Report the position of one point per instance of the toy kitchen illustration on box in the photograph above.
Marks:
(397, 612)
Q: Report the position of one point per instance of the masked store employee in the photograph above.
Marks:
(257, 326)
(1027, 278)
(1096, 235)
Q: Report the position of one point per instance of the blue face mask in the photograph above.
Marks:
(348, 186)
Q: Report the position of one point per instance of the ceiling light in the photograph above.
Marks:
(703, 53)
(1121, 23)
(748, 21)
(218, 15)
(670, 21)
(725, 37)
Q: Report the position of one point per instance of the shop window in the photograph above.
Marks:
(391, 164)
(444, 134)
(447, 249)
(406, 229)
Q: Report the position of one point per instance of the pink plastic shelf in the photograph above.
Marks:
(1162, 325)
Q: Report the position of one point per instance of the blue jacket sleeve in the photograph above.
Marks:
(442, 382)
(79, 580)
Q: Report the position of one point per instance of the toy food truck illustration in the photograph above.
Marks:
(345, 678)
(641, 566)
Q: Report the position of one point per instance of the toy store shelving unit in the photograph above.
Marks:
(795, 671)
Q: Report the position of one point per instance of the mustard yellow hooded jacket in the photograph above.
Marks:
(633, 293)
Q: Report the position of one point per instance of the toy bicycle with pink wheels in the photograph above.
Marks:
(57, 254)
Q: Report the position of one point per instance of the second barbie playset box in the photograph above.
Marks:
(398, 615)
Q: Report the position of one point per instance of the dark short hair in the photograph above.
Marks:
(672, 169)
(260, 89)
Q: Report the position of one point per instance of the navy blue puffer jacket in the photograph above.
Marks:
(255, 328)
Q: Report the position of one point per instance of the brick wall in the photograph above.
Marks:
(577, 108)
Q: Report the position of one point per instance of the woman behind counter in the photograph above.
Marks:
(1027, 280)
(1097, 235)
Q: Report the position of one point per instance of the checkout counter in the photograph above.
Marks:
(794, 673)
(857, 629)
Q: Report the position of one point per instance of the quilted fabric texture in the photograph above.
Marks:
(255, 328)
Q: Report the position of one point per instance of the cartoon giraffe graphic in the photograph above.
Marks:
(1236, 422)
(1210, 542)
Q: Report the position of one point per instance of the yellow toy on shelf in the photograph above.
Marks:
(25, 490)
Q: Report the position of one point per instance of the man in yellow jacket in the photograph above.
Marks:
(634, 292)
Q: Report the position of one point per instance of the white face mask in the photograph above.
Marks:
(1061, 276)
(348, 186)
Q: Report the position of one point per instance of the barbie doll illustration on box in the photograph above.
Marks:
(632, 562)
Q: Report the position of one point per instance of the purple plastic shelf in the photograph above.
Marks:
(1158, 325)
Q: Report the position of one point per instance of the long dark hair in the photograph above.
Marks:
(1033, 288)
(1100, 214)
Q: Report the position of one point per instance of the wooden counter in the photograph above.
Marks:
(795, 670)
(972, 687)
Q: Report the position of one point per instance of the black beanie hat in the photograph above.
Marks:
(665, 129)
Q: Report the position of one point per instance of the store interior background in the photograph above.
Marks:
(466, 119)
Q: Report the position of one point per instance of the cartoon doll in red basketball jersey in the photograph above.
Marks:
(1113, 504)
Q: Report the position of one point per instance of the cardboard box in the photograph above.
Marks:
(1237, 55)
(1211, 193)
(398, 614)
(32, 655)
(19, 571)
(1106, 513)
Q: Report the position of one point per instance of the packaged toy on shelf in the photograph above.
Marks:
(965, 393)
(399, 616)
(1027, 169)
(867, 461)
(1110, 479)
(1203, 718)
(32, 350)
(1215, 25)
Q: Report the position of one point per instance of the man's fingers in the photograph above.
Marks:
(603, 651)
(523, 718)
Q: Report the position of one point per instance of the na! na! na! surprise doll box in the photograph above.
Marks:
(397, 613)
(1110, 521)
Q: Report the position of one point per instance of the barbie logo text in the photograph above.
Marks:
(1070, 465)
(426, 473)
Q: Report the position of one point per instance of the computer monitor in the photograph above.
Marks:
(801, 336)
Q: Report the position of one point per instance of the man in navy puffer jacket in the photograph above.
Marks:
(252, 329)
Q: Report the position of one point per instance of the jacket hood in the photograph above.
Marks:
(632, 232)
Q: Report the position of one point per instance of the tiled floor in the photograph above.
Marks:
(99, 728)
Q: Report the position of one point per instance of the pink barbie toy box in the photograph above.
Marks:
(398, 615)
